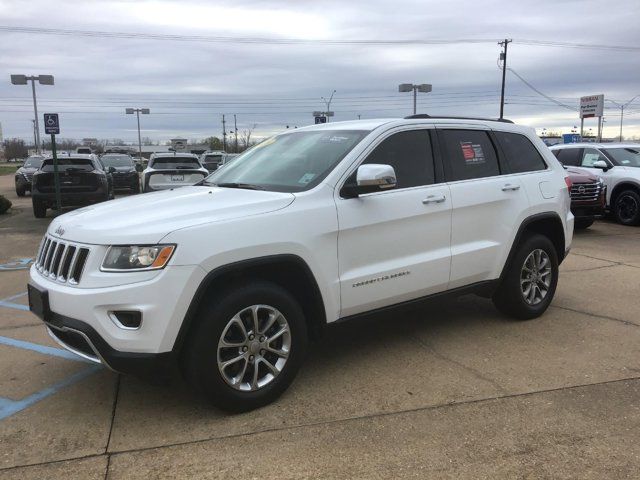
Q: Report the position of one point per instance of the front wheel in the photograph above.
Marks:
(530, 281)
(21, 190)
(583, 223)
(39, 208)
(627, 208)
(246, 347)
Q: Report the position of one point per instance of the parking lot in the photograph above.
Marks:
(452, 390)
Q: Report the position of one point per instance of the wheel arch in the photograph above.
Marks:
(622, 186)
(548, 224)
(286, 270)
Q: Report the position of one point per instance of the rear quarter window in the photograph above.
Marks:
(521, 155)
(569, 156)
(468, 154)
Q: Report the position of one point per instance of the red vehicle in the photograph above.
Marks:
(588, 197)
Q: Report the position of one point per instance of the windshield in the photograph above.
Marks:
(289, 163)
(117, 160)
(625, 157)
(176, 162)
(33, 162)
(83, 164)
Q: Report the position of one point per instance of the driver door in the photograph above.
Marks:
(394, 245)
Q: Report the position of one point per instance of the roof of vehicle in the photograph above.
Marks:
(215, 152)
(371, 124)
(173, 154)
(595, 145)
(85, 156)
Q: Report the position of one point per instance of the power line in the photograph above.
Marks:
(301, 41)
(551, 99)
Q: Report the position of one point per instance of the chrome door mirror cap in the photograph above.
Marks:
(600, 164)
(376, 175)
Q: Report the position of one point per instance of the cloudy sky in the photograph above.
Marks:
(270, 62)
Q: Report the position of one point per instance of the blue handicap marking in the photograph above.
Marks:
(20, 264)
(7, 302)
(10, 407)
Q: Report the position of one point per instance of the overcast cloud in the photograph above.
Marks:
(189, 85)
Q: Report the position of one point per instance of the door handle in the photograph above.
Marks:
(509, 187)
(434, 199)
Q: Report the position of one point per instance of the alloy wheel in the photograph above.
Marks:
(535, 277)
(627, 208)
(254, 347)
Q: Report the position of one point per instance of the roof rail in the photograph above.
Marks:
(424, 115)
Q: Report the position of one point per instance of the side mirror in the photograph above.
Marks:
(112, 170)
(601, 164)
(139, 168)
(371, 177)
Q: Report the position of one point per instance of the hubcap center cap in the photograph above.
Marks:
(254, 347)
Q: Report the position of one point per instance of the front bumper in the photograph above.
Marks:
(81, 319)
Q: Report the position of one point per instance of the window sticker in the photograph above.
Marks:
(472, 153)
(335, 139)
(306, 178)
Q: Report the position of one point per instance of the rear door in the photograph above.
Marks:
(486, 203)
(393, 245)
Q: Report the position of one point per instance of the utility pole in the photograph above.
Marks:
(235, 129)
(224, 135)
(503, 57)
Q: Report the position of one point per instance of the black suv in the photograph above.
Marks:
(126, 171)
(83, 180)
(25, 173)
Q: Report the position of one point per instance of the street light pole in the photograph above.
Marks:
(622, 107)
(43, 80)
(138, 111)
(407, 87)
(328, 104)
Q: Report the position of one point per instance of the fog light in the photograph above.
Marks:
(126, 319)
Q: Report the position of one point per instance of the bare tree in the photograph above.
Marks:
(14, 148)
(245, 137)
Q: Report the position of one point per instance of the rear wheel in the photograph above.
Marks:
(530, 280)
(627, 208)
(246, 347)
(39, 208)
(20, 190)
(582, 223)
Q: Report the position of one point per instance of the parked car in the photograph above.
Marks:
(83, 180)
(126, 174)
(232, 277)
(24, 174)
(212, 160)
(171, 170)
(84, 150)
(618, 165)
(588, 197)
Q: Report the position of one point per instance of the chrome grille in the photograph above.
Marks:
(583, 192)
(61, 261)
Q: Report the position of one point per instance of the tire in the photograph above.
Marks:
(236, 390)
(583, 223)
(39, 208)
(20, 191)
(136, 188)
(510, 296)
(111, 195)
(626, 208)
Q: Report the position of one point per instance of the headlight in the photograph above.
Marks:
(137, 257)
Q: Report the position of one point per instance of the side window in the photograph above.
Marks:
(569, 156)
(522, 155)
(469, 154)
(590, 156)
(410, 155)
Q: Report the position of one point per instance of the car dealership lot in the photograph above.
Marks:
(450, 390)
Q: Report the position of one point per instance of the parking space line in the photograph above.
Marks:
(10, 407)
(6, 302)
(35, 347)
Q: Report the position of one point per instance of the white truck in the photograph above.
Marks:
(231, 278)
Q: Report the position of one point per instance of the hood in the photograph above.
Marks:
(27, 170)
(148, 217)
(579, 175)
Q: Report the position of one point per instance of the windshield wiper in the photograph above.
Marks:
(247, 186)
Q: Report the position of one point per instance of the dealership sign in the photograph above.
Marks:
(591, 106)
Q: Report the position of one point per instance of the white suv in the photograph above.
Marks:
(172, 170)
(618, 165)
(229, 279)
